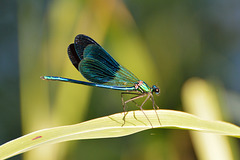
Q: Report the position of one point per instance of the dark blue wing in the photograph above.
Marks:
(76, 49)
(96, 65)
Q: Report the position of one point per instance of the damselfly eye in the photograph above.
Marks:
(156, 89)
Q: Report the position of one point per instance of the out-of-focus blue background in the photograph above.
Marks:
(162, 42)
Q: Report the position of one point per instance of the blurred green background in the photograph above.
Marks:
(162, 42)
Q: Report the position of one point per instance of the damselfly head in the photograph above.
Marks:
(155, 89)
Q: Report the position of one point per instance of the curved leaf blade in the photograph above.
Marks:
(111, 126)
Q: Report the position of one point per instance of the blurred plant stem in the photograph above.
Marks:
(200, 98)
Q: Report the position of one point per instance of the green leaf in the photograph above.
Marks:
(111, 126)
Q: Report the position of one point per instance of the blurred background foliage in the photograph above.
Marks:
(162, 42)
